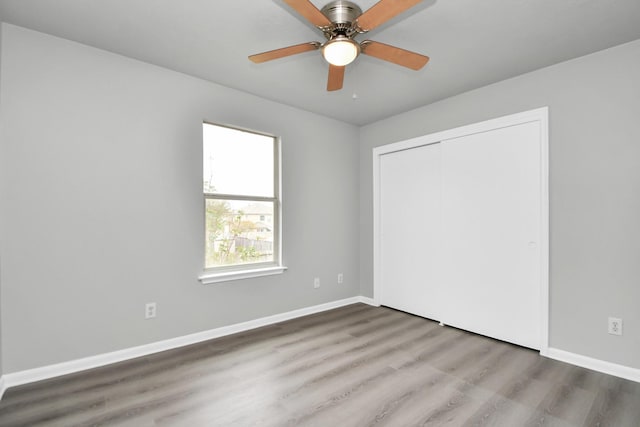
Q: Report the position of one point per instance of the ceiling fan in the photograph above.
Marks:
(341, 21)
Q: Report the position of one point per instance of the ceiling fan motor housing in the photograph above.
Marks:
(341, 13)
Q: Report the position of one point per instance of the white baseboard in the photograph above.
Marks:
(614, 369)
(3, 387)
(64, 368)
(368, 301)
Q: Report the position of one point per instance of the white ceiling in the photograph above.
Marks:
(471, 43)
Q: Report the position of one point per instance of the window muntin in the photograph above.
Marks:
(240, 187)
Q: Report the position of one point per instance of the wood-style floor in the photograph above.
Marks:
(353, 366)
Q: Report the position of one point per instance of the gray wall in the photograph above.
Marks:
(594, 104)
(101, 208)
(100, 182)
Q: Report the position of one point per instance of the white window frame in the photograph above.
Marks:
(257, 269)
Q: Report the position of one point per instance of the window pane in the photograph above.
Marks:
(237, 162)
(238, 232)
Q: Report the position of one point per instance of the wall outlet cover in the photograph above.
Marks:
(615, 326)
(150, 310)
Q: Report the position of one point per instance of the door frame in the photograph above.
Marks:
(539, 115)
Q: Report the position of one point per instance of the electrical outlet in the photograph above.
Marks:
(340, 278)
(150, 310)
(316, 282)
(615, 326)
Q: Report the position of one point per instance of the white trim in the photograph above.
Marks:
(543, 118)
(3, 387)
(64, 368)
(368, 301)
(540, 115)
(72, 366)
(497, 123)
(609, 368)
(209, 278)
(377, 264)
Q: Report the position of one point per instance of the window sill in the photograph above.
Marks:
(209, 278)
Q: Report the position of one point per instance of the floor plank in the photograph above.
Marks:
(352, 366)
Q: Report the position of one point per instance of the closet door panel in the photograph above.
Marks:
(410, 236)
(491, 198)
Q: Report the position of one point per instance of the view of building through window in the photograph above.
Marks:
(239, 184)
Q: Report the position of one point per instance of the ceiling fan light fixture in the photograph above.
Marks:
(341, 21)
(340, 51)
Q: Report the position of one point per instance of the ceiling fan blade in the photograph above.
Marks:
(310, 12)
(284, 51)
(403, 57)
(336, 77)
(383, 11)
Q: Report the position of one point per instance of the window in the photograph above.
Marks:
(241, 202)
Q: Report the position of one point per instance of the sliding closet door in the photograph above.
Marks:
(410, 230)
(491, 223)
